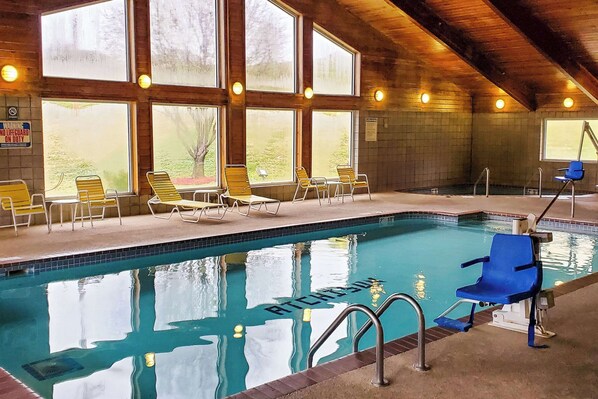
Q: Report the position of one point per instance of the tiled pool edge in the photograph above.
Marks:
(125, 253)
(295, 382)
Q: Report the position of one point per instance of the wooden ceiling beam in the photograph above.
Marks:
(548, 43)
(421, 15)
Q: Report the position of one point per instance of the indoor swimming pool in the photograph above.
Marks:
(213, 322)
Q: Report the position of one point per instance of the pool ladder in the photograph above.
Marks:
(485, 172)
(374, 320)
(538, 172)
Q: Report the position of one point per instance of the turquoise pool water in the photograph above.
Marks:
(210, 323)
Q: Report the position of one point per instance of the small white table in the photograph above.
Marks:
(72, 203)
(207, 194)
(337, 185)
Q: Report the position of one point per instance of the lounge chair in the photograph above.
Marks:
(91, 194)
(239, 190)
(347, 177)
(167, 194)
(304, 182)
(510, 274)
(15, 198)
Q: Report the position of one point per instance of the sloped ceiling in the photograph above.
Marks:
(522, 47)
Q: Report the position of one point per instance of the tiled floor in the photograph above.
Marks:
(35, 243)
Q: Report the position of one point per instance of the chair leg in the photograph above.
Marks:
(118, 209)
(370, 194)
(296, 191)
(14, 222)
(305, 194)
(318, 195)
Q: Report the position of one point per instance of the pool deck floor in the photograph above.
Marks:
(486, 362)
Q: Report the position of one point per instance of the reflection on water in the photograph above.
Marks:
(201, 328)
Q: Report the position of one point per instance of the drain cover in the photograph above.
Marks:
(53, 367)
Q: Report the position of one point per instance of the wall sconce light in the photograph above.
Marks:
(238, 331)
(9, 73)
(150, 359)
(238, 88)
(568, 102)
(307, 315)
(144, 81)
(500, 103)
(379, 95)
(425, 98)
(308, 93)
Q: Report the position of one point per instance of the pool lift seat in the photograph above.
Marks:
(509, 275)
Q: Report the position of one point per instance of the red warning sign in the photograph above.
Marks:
(15, 134)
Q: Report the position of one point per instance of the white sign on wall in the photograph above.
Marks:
(371, 129)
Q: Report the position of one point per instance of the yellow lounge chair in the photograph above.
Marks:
(167, 194)
(90, 192)
(239, 190)
(15, 198)
(347, 177)
(304, 182)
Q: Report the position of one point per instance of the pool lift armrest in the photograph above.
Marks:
(474, 261)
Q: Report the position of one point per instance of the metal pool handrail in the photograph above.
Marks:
(421, 329)
(486, 172)
(539, 172)
(378, 379)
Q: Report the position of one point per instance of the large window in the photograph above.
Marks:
(183, 42)
(562, 137)
(270, 148)
(334, 67)
(186, 144)
(85, 138)
(270, 47)
(88, 42)
(331, 141)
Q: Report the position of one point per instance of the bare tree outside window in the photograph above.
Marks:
(183, 42)
(185, 143)
(269, 47)
(88, 42)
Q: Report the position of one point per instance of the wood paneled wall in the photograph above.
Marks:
(383, 65)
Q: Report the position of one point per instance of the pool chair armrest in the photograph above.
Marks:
(363, 175)
(528, 266)
(38, 195)
(112, 190)
(474, 261)
(562, 169)
(2, 199)
(83, 195)
(318, 180)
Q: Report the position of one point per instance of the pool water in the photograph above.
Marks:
(210, 323)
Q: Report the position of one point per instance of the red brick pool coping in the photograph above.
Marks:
(12, 388)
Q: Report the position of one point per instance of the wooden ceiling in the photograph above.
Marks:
(525, 48)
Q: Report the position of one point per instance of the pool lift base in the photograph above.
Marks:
(515, 317)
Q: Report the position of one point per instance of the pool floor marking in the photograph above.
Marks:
(321, 296)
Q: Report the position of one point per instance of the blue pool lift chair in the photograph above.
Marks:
(573, 173)
(510, 274)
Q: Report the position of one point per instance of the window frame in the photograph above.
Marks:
(296, 113)
(129, 46)
(218, 38)
(352, 135)
(131, 154)
(219, 133)
(296, 49)
(544, 141)
(354, 59)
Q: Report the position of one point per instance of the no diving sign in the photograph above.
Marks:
(15, 134)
